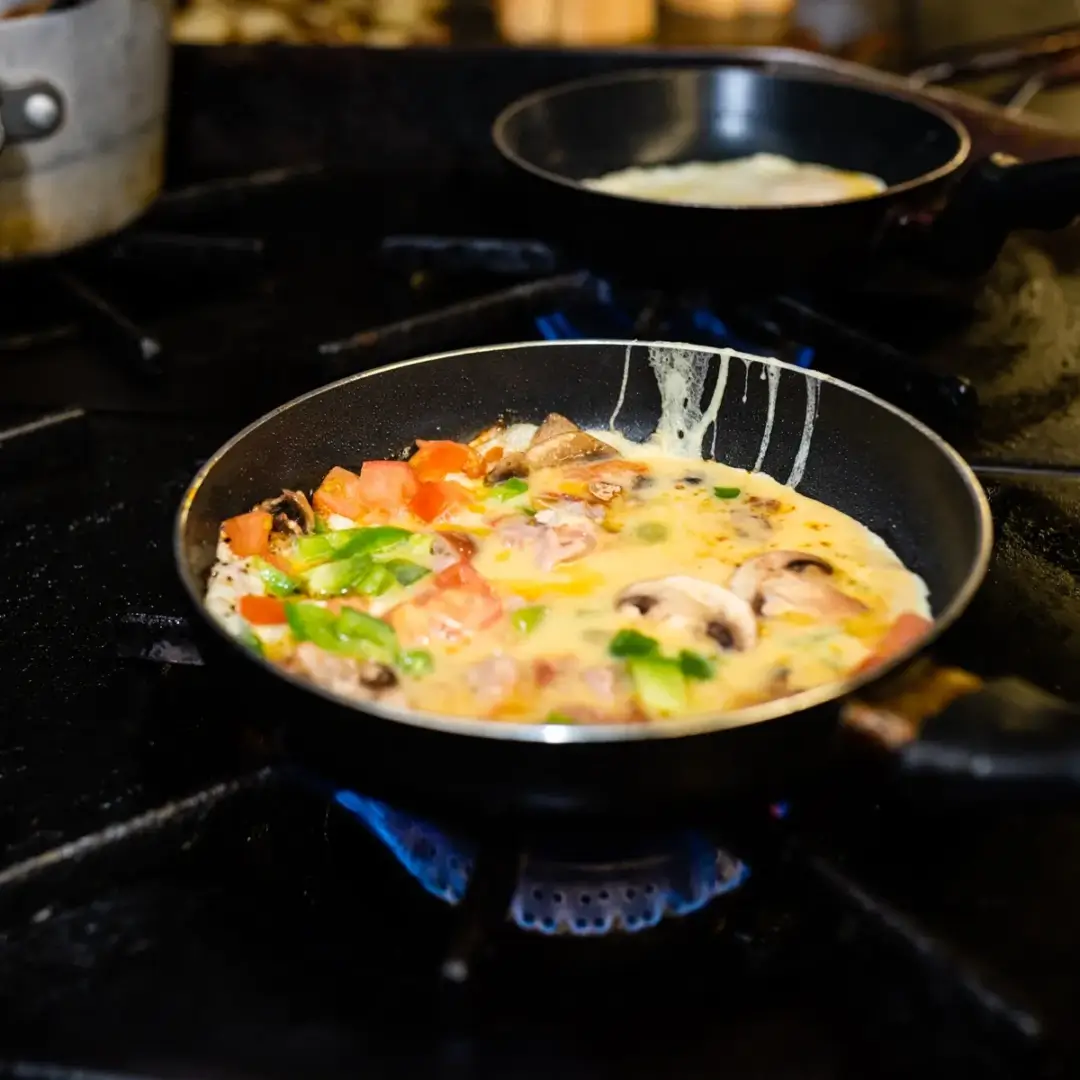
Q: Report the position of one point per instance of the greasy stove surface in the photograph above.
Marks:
(258, 929)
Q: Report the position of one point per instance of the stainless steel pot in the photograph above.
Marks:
(83, 95)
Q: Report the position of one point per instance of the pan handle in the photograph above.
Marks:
(997, 196)
(948, 727)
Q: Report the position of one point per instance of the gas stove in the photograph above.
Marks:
(176, 902)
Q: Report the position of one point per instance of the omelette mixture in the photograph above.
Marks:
(553, 575)
(759, 180)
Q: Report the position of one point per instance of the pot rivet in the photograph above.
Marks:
(42, 111)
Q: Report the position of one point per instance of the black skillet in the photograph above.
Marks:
(580, 130)
(865, 457)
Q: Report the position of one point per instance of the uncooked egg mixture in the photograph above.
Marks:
(758, 180)
(543, 573)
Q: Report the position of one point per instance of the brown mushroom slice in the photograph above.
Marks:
(291, 511)
(554, 424)
(508, 466)
(558, 441)
(780, 581)
(700, 606)
(603, 491)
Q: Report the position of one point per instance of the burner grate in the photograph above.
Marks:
(582, 897)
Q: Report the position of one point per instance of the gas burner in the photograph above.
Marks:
(623, 892)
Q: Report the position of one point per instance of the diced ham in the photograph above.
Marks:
(494, 679)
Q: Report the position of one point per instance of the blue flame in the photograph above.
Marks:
(700, 325)
(585, 900)
(630, 896)
(440, 863)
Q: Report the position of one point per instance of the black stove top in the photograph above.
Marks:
(171, 904)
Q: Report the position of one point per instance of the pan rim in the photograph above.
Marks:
(556, 734)
(963, 136)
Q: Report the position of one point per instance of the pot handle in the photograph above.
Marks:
(1002, 736)
(997, 196)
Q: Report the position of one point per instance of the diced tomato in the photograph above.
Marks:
(249, 534)
(466, 608)
(436, 497)
(907, 628)
(339, 493)
(279, 562)
(462, 575)
(493, 455)
(387, 485)
(466, 596)
(437, 458)
(262, 610)
(461, 601)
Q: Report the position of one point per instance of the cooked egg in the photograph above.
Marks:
(623, 584)
(758, 180)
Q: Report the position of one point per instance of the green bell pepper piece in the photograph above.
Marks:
(406, 571)
(527, 619)
(652, 532)
(696, 666)
(338, 577)
(416, 662)
(628, 643)
(344, 543)
(508, 489)
(359, 628)
(659, 683)
(557, 717)
(309, 622)
(376, 581)
(275, 581)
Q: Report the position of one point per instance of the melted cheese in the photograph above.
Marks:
(759, 180)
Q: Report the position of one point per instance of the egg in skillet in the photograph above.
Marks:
(547, 574)
(759, 180)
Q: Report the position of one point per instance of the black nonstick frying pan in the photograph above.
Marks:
(561, 136)
(858, 453)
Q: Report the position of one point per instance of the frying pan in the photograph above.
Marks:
(860, 454)
(558, 137)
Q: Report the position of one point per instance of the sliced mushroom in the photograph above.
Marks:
(292, 512)
(554, 424)
(558, 441)
(700, 606)
(603, 491)
(507, 467)
(780, 581)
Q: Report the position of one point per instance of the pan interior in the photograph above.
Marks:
(844, 447)
(586, 129)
